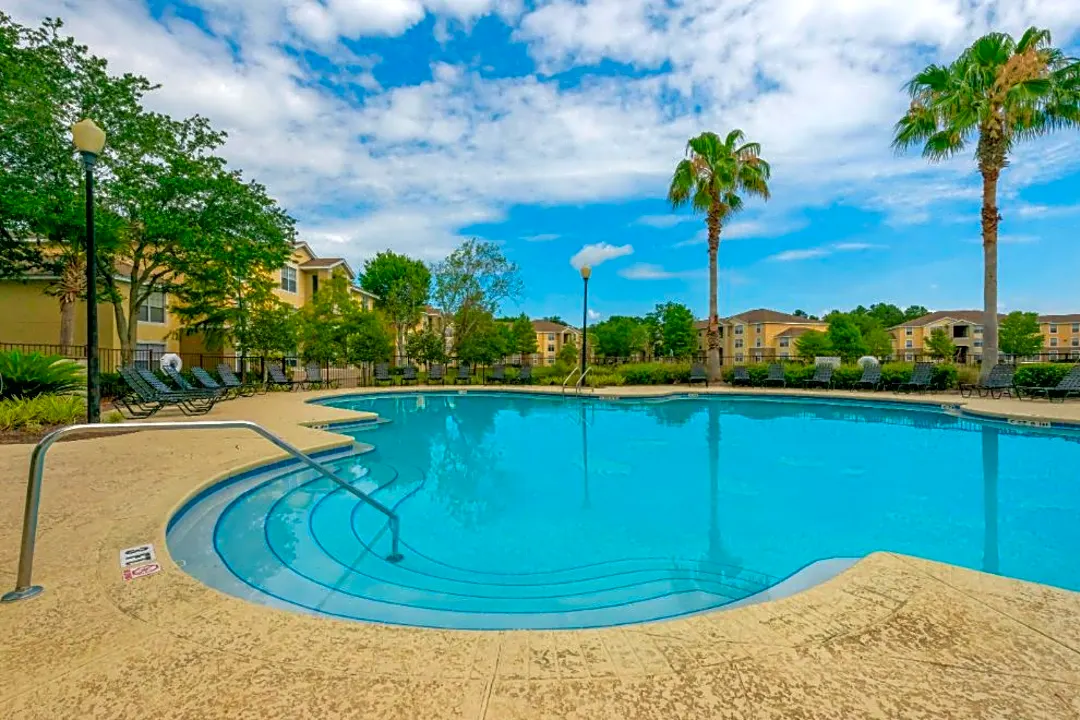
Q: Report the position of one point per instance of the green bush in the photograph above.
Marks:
(1040, 374)
(654, 373)
(943, 377)
(28, 375)
(112, 385)
(41, 411)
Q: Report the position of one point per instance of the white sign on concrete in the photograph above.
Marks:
(136, 555)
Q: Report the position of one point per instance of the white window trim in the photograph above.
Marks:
(164, 310)
(296, 279)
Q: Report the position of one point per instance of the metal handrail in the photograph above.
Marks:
(581, 380)
(566, 382)
(23, 587)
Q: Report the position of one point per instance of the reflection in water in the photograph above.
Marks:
(990, 498)
(584, 459)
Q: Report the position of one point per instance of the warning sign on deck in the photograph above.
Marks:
(139, 571)
(137, 555)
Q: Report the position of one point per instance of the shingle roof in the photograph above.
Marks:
(764, 315)
(547, 326)
(793, 332)
(970, 316)
(323, 262)
(1072, 318)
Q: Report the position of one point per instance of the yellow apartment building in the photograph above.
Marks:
(759, 335)
(29, 316)
(1061, 335)
(550, 339)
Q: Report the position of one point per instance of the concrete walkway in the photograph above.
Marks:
(893, 637)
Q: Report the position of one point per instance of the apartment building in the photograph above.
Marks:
(550, 339)
(759, 335)
(30, 316)
(1061, 335)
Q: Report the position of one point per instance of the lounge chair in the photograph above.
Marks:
(698, 375)
(151, 390)
(776, 376)
(181, 382)
(278, 378)
(209, 383)
(315, 377)
(230, 381)
(382, 374)
(822, 377)
(409, 374)
(1069, 385)
(525, 375)
(871, 378)
(999, 382)
(464, 374)
(139, 401)
(920, 378)
(741, 377)
(498, 374)
(436, 373)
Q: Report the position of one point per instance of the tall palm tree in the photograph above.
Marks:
(998, 92)
(709, 180)
(68, 288)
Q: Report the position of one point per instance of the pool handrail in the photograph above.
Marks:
(581, 380)
(577, 368)
(24, 588)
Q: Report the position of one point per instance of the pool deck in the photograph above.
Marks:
(892, 637)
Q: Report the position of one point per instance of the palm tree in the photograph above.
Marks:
(710, 179)
(69, 286)
(998, 92)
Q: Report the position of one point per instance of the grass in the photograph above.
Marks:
(30, 414)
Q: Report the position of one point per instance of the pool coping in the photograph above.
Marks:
(890, 629)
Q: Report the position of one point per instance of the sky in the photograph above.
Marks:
(553, 127)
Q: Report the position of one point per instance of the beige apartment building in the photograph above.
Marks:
(550, 339)
(1061, 335)
(759, 335)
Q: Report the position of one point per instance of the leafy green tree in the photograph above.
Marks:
(620, 337)
(364, 335)
(709, 180)
(323, 322)
(915, 312)
(272, 328)
(472, 282)
(1020, 334)
(803, 314)
(569, 354)
(402, 284)
(845, 338)
(940, 345)
(887, 314)
(523, 337)
(998, 92)
(426, 346)
(676, 322)
(555, 319)
(878, 342)
(812, 344)
(487, 340)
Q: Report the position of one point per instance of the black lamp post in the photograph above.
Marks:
(586, 271)
(89, 140)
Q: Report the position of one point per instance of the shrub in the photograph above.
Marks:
(604, 377)
(943, 377)
(654, 373)
(1040, 374)
(112, 385)
(28, 375)
(41, 411)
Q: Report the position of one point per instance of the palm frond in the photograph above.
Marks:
(1033, 38)
(943, 145)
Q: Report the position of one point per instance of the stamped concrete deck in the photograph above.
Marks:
(893, 637)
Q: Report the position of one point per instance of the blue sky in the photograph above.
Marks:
(552, 126)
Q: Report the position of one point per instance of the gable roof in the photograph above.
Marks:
(969, 316)
(547, 326)
(764, 315)
(793, 332)
(1069, 318)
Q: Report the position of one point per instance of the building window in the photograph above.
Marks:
(738, 343)
(757, 343)
(909, 356)
(315, 287)
(784, 342)
(288, 279)
(978, 329)
(784, 356)
(551, 347)
(1076, 327)
(1076, 342)
(758, 327)
(977, 343)
(551, 337)
(153, 310)
(148, 355)
(1053, 342)
(1053, 328)
(909, 331)
(738, 329)
(1053, 356)
(909, 344)
(738, 357)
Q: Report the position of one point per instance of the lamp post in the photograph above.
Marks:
(586, 271)
(89, 140)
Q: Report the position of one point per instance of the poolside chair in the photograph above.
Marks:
(698, 375)
(382, 374)
(871, 378)
(315, 377)
(741, 377)
(498, 374)
(464, 374)
(525, 375)
(279, 379)
(1069, 385)
(776, 376)
(152, 391)
(999, 382)
(920, 378)
(230, 381)
(139, 401)
(209, 383)
(181, 382)
(822, 377)
(409, 375)
(436, 373)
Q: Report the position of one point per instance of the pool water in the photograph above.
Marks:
(528, 511)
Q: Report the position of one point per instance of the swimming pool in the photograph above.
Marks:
(539, 511)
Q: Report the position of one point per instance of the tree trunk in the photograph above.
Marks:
(990, 221)
(713, 333)
(67, 323)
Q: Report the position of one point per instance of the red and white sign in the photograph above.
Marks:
(139, 571)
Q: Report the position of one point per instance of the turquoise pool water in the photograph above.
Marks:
(521, 511)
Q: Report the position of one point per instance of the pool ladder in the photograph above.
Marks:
(23, 586)
(580, 381)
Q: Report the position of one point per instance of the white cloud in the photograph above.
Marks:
(649, 271)
(820, 252)
(666, 221)
(543, 237)
(594, 315)
(593, 255)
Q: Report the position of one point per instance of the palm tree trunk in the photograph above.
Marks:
(990, 221)
(713, 333)
(67, 323)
